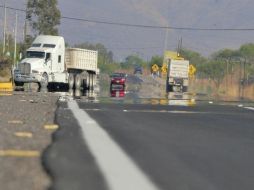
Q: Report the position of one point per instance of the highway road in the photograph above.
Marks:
(132, 146)
(139, 142)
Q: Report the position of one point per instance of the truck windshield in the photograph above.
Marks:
(35, 54)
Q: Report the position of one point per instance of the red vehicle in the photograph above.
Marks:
(117, 85)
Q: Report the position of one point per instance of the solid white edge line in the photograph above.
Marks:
(249, 108)
(118, 169)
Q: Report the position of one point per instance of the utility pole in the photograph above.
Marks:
(15, 39)
(4, 35)
(25, 28)
(167, 29)
(166, 40)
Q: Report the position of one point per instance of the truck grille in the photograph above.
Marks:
(25, 68)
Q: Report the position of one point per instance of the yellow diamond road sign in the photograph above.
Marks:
(155, 68)
(192, 70)
(164, 69)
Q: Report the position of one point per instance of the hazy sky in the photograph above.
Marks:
(146, 42)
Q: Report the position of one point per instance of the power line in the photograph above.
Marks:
(144, 26)
(15, 9)
(157, 27)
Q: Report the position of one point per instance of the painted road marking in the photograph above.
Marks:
(23, 134)
(16, 122)
(154, 111)
(164, 111)
(117, 167)
(19, 153)
(51, 127)
(249, 108)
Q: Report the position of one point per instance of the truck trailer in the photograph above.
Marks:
(177, 76)
(48, 62)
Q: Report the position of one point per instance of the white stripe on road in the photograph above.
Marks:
(249, 108)
(120, 172)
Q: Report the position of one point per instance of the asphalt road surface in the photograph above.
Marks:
(26, 125)
(141, 146)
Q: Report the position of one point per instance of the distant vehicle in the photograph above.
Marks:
(177, 76)
(138, 70)
(117, 84)
(118, 78)
(49, 62)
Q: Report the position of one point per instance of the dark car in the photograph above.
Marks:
(138, 70)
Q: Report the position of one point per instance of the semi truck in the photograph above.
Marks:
(48, 62)
(177, 75)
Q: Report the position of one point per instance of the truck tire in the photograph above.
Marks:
(44, 81)
(71, 81)
(92, 82)
(77, 81)
(185, 88)
(169, 88)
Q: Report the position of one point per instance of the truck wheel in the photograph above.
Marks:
(169, 88)
(185, 88)
(44, 81)
(77, 81)
(85, 84)
(71, 81)
(92, 82)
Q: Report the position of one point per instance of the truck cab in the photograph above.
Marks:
(44, 58)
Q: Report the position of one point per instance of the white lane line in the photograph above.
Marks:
(120, 172)
(165, 111)
(249, 108)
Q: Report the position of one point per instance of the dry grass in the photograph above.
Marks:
(229, 89)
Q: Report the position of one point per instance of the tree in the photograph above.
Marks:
(158, 60)
(44, 16)
(104, 56)
(131, 61)
(225, 54)
(215, 70)
(194, 57)
(247, 51)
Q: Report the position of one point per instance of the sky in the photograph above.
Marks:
(146, 42)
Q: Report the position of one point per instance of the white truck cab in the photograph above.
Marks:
(46, 63)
